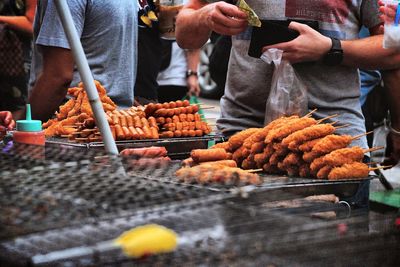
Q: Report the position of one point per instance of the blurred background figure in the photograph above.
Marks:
(149, 54)
(16, 18)
(179, 76)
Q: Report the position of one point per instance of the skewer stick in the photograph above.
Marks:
(342, 126)
(380, 168)
(374, 149)
(310, 113)
(253, 170)
(327, 118)
(361, 135)
(207, 107)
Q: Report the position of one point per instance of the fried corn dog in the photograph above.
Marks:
(292, 159)
(202, 155)
(261, 158)
(237, 140)
(304, 170)
(332, 142)
(221, 163)
(238, 155)
(344, 155)
(324, 172)
(249, 163)
(271, 169)
(206, 174)
(326, 145)
(354, 170)
(288, 128)
(257, 147)
(294, 140)
(260, 135)
(223, 145)
(307, 146)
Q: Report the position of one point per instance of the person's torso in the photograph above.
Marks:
(109, 39)
(329, 88)
(175, 74)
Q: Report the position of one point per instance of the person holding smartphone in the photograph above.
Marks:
(332, 78)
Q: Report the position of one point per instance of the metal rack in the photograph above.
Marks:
(51, 205)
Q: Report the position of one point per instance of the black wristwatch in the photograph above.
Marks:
(334, 56)
(191, 73)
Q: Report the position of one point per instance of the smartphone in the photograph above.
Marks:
(273, 32)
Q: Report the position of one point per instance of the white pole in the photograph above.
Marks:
(86, 75)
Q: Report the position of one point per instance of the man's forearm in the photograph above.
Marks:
(47, 95)
(368, 53)
(192, 58)
(190, 31)
(18, 23)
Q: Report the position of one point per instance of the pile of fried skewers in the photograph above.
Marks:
(296, 146)
(76, 122)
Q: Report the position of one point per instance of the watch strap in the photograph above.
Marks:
(336, 45)
(334, 56)
(191, 73)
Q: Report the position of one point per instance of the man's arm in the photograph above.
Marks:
(22, 23)
(366, 53)
(197, 19)
(51, 86)
(192, 59)
(6, 120)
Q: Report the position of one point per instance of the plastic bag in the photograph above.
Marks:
(288, 94)
(391, 37)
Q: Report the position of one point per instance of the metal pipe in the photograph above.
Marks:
(86, 75)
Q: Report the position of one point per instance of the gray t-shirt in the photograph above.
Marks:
(108, 33)
(332, 90)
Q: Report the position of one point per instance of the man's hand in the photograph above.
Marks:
(224, 18)
(309, 46)
(388, 12)
(193, 85)
(6, 120)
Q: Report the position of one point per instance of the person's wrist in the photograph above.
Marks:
(334, 55)
(326, 45)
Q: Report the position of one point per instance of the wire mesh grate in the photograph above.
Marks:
(76, 200)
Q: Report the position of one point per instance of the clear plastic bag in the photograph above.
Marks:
(288, 94)
(391, 37)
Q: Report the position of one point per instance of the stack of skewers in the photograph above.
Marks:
(178, 119)
(75, 119)
(298, 146)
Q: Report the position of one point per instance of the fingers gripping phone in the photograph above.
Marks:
(273, 32)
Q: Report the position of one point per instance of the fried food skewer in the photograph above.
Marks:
(299, 137)
(291, 127)
(354, 170)
(237, 140)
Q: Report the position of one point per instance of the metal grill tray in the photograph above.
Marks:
(294, 185)
(63, 194)
(237, 232)
(176, 147)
